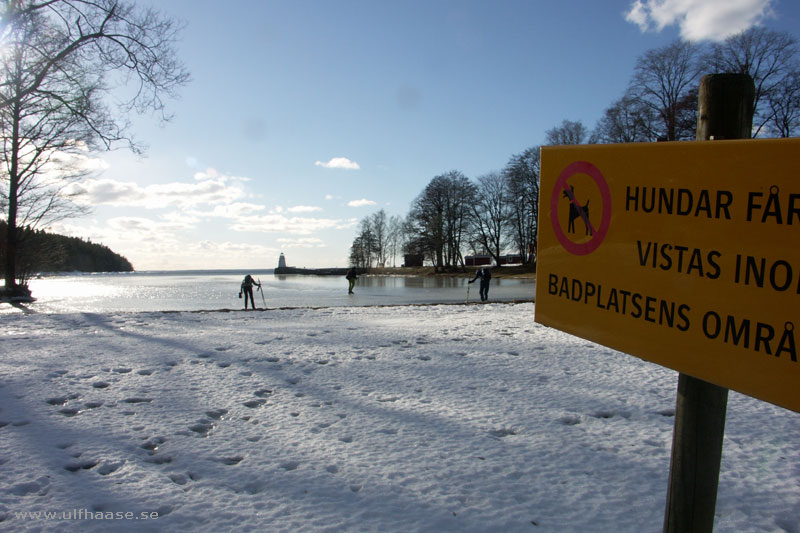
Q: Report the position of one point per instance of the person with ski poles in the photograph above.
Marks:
(351, 279)
(485, 276)
(247, 290)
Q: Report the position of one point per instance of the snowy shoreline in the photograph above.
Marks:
(404, 418)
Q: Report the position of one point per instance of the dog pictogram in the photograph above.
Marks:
(577, 211)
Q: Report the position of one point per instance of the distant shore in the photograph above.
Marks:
(515, 271)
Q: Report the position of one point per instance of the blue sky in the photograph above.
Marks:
(304, 116)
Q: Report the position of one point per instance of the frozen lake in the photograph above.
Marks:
(209, 290)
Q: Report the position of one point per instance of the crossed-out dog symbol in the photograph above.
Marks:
(577, 211)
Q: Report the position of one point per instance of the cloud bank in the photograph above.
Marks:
(184, 206)
(699, 20)
(360, 203)
(339, 162)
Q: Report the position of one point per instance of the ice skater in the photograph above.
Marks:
(484, 276)
(247, 290)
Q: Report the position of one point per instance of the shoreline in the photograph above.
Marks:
(502, 272)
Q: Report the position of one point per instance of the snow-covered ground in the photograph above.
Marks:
(417, 418)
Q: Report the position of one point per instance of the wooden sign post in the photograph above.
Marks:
(725, 111)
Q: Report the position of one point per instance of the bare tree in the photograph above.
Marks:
(522, 186)
(363, 249)
(438, 218)
(665, 82)
(569, 132)
(491, 211)
(380, 231)
(396, 237)
(771, 59)
(62, 60)
(626, 121)
(784, 104)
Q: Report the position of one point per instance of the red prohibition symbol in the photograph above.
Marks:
(562, 188)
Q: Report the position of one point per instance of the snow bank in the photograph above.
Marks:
(435, 418)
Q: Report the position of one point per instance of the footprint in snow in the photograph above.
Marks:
(159, 459)
(202, 427)
(145, 372)
(179, 479)
(40, 487)
(151, 445)
(252, 404)
(263, 393)
(80, 465)
(61, 400)
(216, 414)
(290, 465)
(109, 467)
(231, 460)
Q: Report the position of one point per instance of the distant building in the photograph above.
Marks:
(413, 260)
(483, 260)
(510, 259)
(282, 261)
(477, 260)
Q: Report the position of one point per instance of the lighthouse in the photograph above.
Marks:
(282, 261)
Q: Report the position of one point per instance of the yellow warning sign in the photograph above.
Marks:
(686, 254)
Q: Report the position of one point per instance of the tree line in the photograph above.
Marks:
(497, 213)
(71, 74)
(40, 251)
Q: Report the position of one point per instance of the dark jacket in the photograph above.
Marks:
(483, 274)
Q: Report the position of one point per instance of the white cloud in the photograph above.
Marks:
(303, 209)
(699, 19)
(278, 223)
(360, 203)
(159, 244)
(310, 242)
(339, 162)
(212, 173)
(176, 194)
(235, 210)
